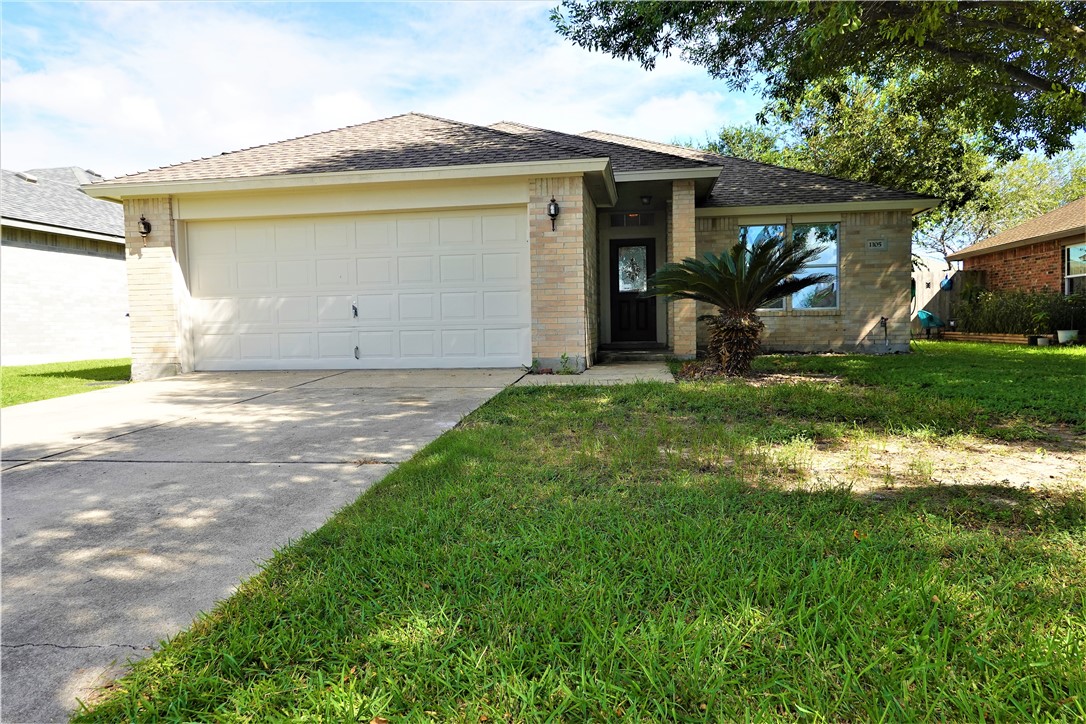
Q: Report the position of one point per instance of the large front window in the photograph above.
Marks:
(1074, 266)
(823, 237)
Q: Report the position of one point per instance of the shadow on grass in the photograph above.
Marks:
(109, 373)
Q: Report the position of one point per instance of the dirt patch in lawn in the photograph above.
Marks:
(885, 462)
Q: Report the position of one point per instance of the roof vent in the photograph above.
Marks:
(27, 177)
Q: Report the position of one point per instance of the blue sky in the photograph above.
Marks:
(121, 87)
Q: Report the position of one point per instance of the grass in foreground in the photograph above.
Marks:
(29, 383)
(579, 553)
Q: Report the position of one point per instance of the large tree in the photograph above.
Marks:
(1013, 72)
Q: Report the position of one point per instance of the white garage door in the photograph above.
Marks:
(441, 289)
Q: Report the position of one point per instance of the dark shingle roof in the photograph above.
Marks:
(749, 183)
(412, 140)
(55, 199)
(1068, 219)
(624, 156)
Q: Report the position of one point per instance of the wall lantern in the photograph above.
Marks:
(646, 200)
(143, 226)
(552, 211)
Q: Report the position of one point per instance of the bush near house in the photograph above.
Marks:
(1017, 312)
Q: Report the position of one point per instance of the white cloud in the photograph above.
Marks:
(138, 85)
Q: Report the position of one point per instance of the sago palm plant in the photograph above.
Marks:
(738, 283)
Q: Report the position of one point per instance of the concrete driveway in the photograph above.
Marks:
(128, 511)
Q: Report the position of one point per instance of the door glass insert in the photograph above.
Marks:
(632, 269)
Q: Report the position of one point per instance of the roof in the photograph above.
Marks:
(1068, 220)
(416, 141)
(52, 197)
(412, 140)
(750, 183)
(624, 156)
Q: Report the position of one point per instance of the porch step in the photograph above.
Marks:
(606, 356)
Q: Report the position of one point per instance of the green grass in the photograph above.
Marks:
(1010, 383)
(597, 553)
(29, 383)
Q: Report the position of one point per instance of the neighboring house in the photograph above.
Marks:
(416, 241)
(1047, 253)
(63, 288)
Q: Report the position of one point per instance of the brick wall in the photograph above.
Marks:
(591, 276)
(62, 298)
(558, 258)
(1033, 268)
(681, 244)
(154, 288)
(872, 284)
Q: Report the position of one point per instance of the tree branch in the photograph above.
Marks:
(1023, 76)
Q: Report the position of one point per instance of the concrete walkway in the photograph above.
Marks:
(614, 373)
(128, 511)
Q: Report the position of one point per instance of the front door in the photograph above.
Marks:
(633, 318)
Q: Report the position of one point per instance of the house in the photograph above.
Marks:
(63, 286)
(1046, 253)
(416, 241)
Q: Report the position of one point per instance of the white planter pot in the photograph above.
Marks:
(1067, 335)
(1043, 341)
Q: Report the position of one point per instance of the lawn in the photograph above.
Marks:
(641, 553)
(29, 383)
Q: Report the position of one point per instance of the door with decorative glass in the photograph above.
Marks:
(633, 318)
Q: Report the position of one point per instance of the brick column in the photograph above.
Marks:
(153, 296)
(559, 309)
(682, 314)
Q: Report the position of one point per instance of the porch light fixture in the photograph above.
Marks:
(646, 200)
(552, 211)
(143, 226)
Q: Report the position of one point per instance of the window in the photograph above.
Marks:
(1074, 269)
(824, 237)
(751, 235)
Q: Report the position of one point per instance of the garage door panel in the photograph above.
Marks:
(377, 344)
(374, 271)
(335, 309)
(256, 346)
(256, 310)
(213, 278)
(459, 268)
(457, 231)
(445, 289)
(254, 275)
(253, 238)
(413, 233)
(416, 307)
(418, 343)
(333, 236)
(336, 345)
(338, 272)
(296, 311)
(460, 343)
(294, 238)
(415, 269)
(376, 307)
(295, 273)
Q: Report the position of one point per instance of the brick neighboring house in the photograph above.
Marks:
(1047, 253)
(416, 241)
(63, 288)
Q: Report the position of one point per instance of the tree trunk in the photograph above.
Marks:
(733, 341)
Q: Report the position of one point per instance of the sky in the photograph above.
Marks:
(123, 87)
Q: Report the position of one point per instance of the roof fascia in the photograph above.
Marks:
(668, 174)
(1028, 241)
(915, 206)
(119, 190)
(63, 230)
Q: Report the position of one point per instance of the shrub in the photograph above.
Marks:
(1016, 312)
